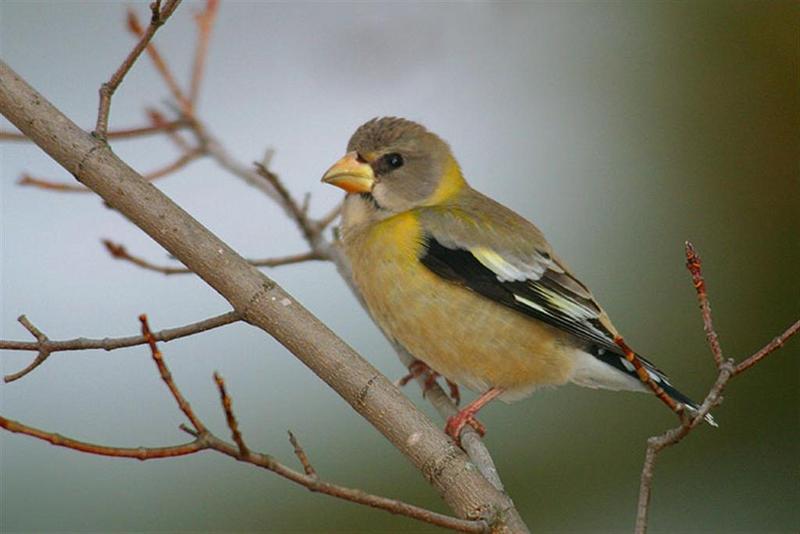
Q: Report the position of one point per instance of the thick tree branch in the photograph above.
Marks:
(260, 301)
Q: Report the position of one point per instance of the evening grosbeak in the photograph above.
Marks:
(467, 286)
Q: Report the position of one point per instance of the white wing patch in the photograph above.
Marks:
(507, 271)
(531, 304)
(566, 305)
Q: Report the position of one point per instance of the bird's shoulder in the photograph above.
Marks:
(475, 222)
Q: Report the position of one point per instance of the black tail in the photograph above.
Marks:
(619, 362)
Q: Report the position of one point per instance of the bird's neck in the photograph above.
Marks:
(451, 184)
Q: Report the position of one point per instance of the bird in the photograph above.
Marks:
(468, 287)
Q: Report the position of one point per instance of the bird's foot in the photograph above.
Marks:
(419, 368)
(456, 423)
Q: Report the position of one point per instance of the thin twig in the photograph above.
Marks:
(65, 187)
(302, 456)
(120, 252)
(125, 133)
(46, 347)
(230, 418)
(157, 118)
(42, 345)
(767, 349)
(135, 27)
(159, 16)
(727, 370)
(205, 23)
(166, 376)
(139, 453)
(695, 267)
(109, 344)
(309, 228)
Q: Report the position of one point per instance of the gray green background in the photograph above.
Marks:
(621, 129)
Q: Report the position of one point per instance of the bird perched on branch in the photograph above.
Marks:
(467, 286)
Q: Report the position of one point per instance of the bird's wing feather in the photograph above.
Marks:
(543, 290)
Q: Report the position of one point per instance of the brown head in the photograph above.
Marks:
(398, 163)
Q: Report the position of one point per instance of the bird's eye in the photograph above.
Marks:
(393, 160)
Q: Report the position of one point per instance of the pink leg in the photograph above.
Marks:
(467, 416)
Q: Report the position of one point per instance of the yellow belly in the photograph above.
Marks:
(465, 337)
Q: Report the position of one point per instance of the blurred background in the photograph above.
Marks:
(620, 129)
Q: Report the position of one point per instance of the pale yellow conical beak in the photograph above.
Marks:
(350, 174)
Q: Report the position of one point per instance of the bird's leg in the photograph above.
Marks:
(419, 368)
(455, 394)
(467, 416)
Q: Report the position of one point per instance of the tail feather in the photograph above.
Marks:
(619, 362)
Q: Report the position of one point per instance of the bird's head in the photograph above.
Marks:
(398, 165)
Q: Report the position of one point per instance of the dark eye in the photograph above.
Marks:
(393, 160)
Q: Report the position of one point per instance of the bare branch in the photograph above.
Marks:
(126, 133)
(166, 376)
(727, 370)
(233, 425)
(159, 17)
(45, 346)
(139, 453)
(767, 349)
(135, 27)
(309, 228)
(157, 119)
(120, 252)
(65, 187)
(205, 22)
(301, 455)
(694, 265)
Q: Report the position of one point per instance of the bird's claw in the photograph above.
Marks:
(419, 368)
(456, 424)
